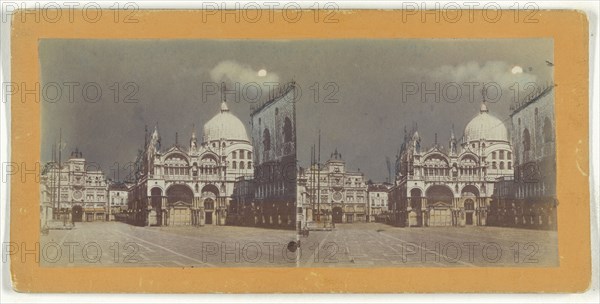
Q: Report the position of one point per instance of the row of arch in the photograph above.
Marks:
(178, 159)
(438, 157)
(288, 134)
(547, 132)
(184, 193)
(443, 193)
(241, 165)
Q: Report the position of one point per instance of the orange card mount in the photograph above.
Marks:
(188, 151)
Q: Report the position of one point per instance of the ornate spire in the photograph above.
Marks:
(155, 132)
(483, 108)
(155, 139)
(336, 154)
(193, 139)
(224, 107)
(452, 144)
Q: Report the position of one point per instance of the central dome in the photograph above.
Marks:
(485, 126)
(225, 126)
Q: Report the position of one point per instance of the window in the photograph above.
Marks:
(249, 155)
(234, 165)
(501, 165)
(501, 153)
(494, 165)
(509, 165)
(266, 140)
(287, 130)
(548, 134)
(241, 154)
(249, 165)
(233, 154)
(494, 155)
(209, 204)
(508, 155)
(526, 140)
(242, 165)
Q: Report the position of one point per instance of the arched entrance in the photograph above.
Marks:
(439, 204)
(209, 207)
(210, 193)
(179, 198)
(77, 213)
(469, 209)
(470, 193)
(337, 214)
(156, 203)
(415, 217)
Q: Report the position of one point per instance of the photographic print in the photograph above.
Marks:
(373, 153)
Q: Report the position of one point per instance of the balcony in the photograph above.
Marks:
(449, 179)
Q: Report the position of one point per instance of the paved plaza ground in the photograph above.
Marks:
(115, 244)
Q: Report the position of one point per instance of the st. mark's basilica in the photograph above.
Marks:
(191, 184)
(451, 186)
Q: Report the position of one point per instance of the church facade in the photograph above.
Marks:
(191, 184)
(451, 186)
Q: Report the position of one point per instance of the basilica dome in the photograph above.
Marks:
(485, 126)
(225, 126)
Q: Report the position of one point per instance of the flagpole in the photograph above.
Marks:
(319, 179)
(59, 167)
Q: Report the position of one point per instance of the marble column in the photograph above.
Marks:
(163, 203)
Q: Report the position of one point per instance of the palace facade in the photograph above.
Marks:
(451, 186)
(191, 184)
(274, 140)
(528, 199)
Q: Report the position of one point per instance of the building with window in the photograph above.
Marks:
(451, 187)
(333, 193)
(191, 184)
(377, 196)
(274, 141)
(117, 199)
(76, 190)
(531, 202)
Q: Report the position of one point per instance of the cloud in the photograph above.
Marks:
(239, 75)
(498, 72)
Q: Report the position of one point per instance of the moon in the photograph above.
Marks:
(262, 73)
(517, 70)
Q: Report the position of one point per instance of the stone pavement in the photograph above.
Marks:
(114, 244)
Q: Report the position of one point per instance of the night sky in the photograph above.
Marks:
(378, 85)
